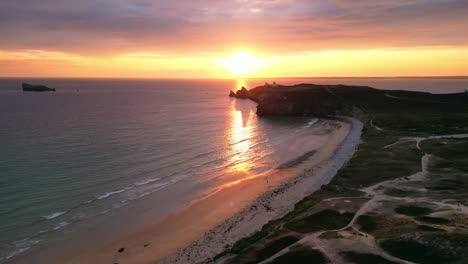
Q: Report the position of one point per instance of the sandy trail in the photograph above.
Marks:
(420, 139)
(374, 126)
(392, 96)
(364, 242)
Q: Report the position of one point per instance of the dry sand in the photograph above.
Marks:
(236, 211)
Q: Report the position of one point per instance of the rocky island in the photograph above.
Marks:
(36, 88)
(401, 198)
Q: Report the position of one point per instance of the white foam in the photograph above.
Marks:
(163, 185)
(60, 225)
(147, 181)
(137, 184)
(17, 252)
(22, 246)
(54, 215)
(114, 192)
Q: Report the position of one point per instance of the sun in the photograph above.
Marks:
(241, 64)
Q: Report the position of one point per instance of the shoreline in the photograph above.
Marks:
(275, 203)
(180, 231)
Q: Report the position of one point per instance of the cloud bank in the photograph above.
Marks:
(109, 27)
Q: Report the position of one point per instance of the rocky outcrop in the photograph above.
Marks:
(243, 93)
(36, 88)
(308, 99)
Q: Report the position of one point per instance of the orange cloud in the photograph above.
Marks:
(183, 38)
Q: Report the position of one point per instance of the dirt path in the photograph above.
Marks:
(364, 242)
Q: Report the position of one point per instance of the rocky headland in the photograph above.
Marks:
(304, 99)
(330, 100)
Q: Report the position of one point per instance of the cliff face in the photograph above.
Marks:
(299, 100)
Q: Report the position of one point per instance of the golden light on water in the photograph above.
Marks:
(241, 131)
(242, 128)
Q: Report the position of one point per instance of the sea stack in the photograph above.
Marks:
(36, 88)
(243, 93)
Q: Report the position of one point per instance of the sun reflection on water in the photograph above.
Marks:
(248, 149)
(241, 131)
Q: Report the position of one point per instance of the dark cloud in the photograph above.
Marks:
(117, 26)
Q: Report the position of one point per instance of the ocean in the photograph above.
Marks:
(134, 150)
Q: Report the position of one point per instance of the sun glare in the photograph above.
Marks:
(241, 64)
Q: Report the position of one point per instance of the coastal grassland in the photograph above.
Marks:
(448, 170)
(301, 256)
(323, 220)
(428, 228)
(410, 213)
(363, 258)
(451, 153)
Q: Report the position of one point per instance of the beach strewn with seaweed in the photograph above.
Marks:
(401, 198)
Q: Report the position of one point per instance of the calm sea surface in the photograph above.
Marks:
(98, 147)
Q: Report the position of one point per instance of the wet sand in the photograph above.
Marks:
(208, 226)
(303, 179)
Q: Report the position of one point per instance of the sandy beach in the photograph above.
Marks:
(302, 180)
(212, 224)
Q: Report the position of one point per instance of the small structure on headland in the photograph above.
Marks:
(36, 88)
(271, 85)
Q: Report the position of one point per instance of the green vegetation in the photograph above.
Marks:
(417, 252)
(433, 220)
(412, 210)
(367, 223)
(274, 247)
(387, 227)
(400, 232)
(301, 256)
(429, 228)
(395, 192)
(374, 164)
(451, 151)
(365, 258)
(268, 250)
(323, 220)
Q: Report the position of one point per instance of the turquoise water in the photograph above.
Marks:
(97, 146)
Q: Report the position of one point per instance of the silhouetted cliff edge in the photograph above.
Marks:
(303, 99)
(331, 100)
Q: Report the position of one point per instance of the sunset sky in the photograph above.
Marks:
(216, 38)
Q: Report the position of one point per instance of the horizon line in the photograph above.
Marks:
(252, 78)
